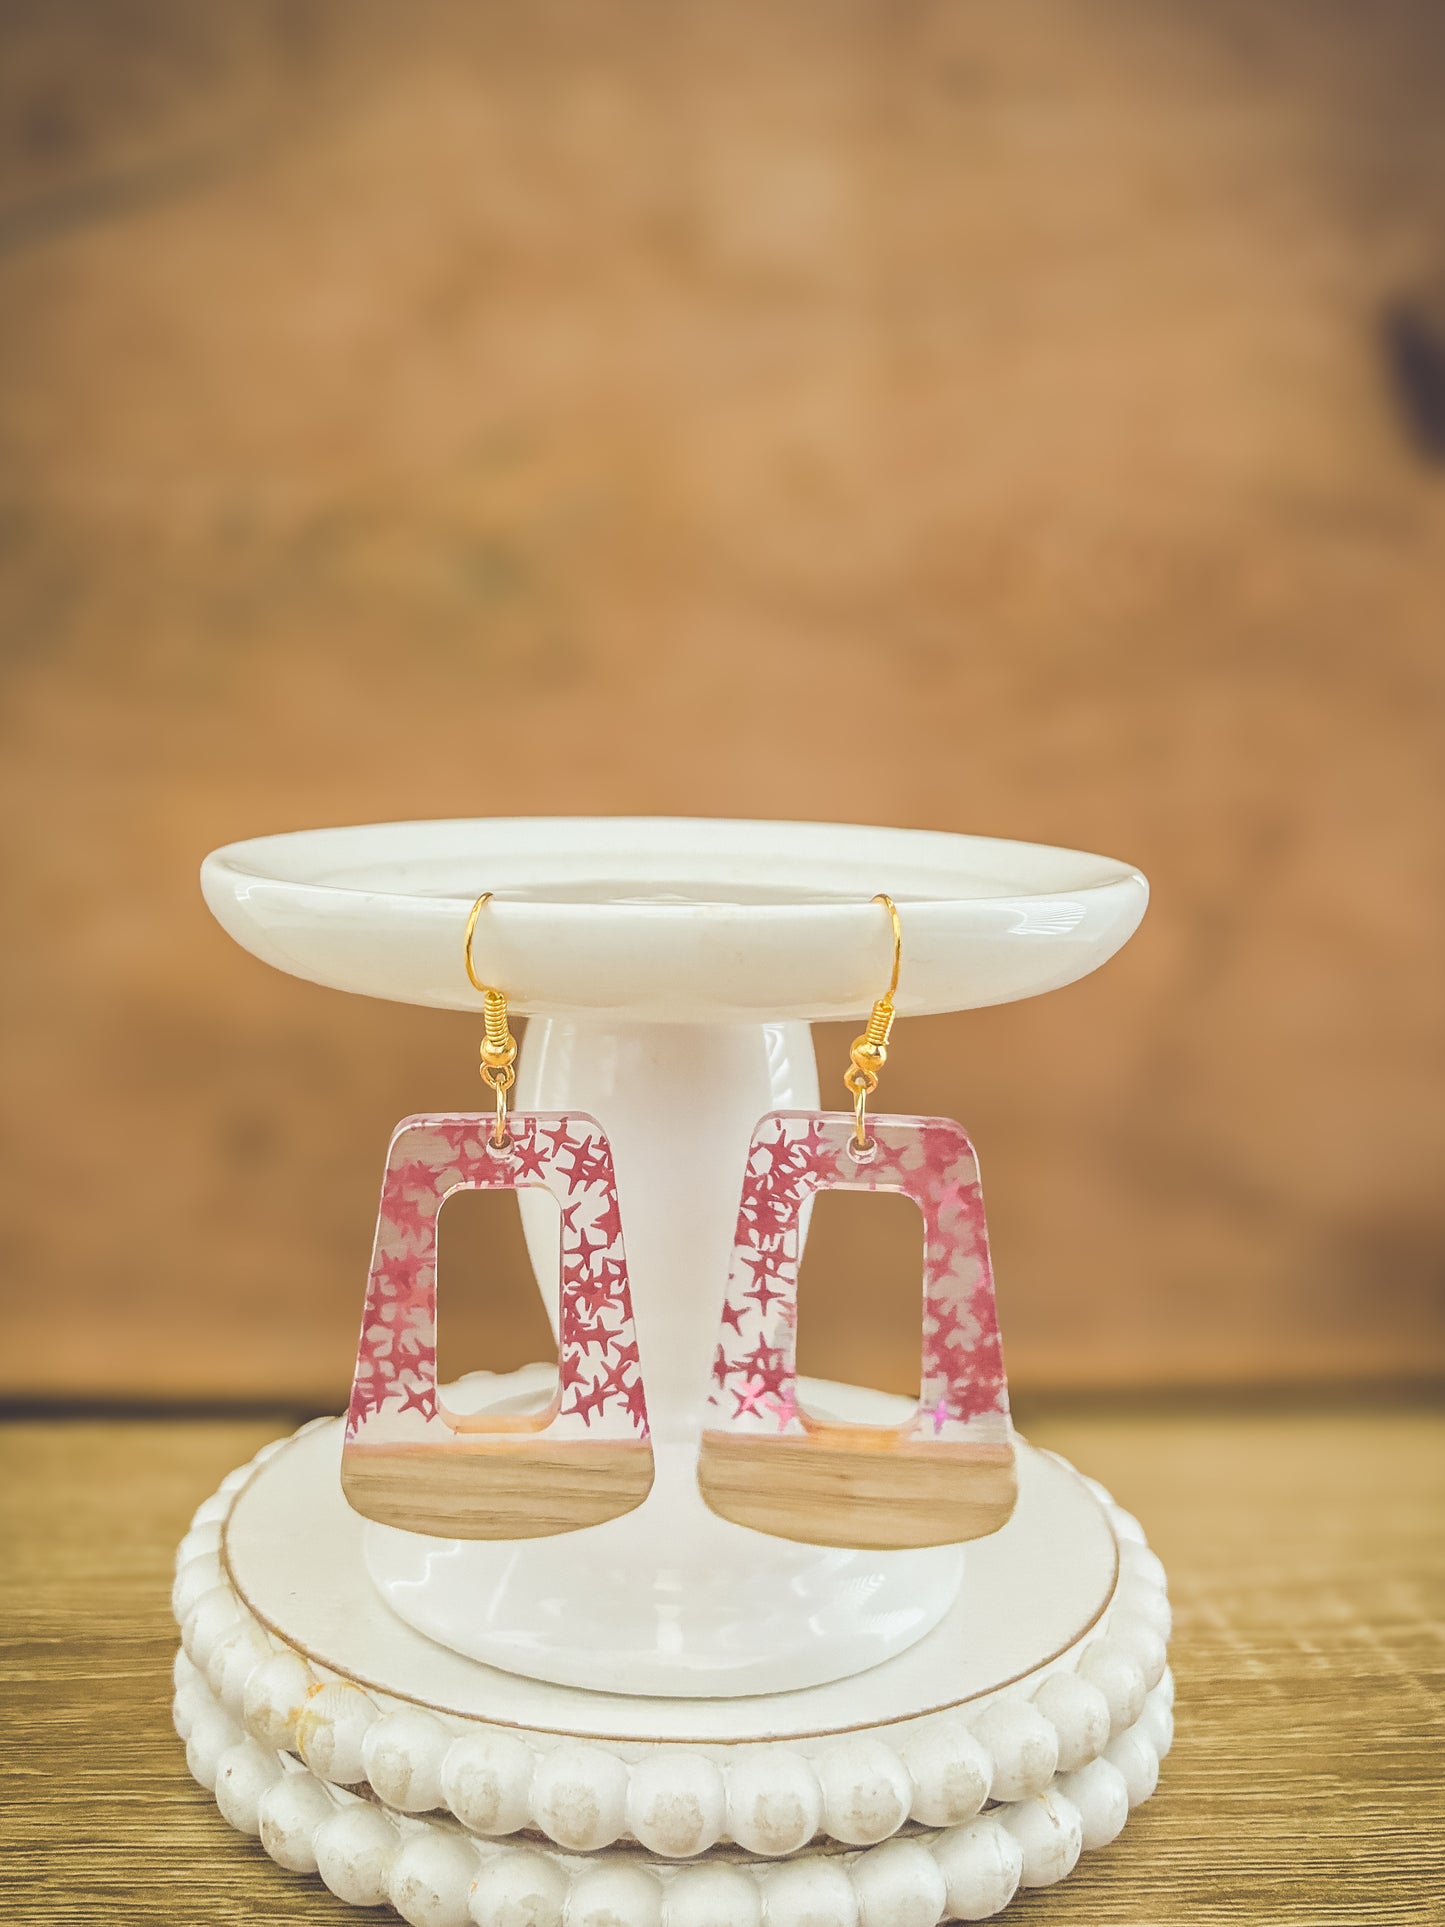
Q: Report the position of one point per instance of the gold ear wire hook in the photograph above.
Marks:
(869, 1053)
(499, 1046)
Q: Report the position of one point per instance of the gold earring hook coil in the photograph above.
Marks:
(869, 1052)
(499, 1046)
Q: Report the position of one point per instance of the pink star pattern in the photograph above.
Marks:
(599, 1384)
(747, 1395)
(963, 1390)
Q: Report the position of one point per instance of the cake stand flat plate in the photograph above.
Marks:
(293, 1552)
(668, 920)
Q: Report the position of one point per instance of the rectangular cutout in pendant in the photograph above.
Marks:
(860, 1291)
(491, 1308)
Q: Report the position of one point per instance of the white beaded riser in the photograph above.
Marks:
(855, 1789)
(435, 1873)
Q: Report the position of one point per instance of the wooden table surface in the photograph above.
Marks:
(1307, 1562)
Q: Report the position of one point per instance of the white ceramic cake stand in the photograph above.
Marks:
(670, 969)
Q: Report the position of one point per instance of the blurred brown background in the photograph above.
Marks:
(1014, 417)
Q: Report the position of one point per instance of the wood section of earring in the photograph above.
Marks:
(495, 1488)
(856, 1487)
(406, 1460)
(947, 1473)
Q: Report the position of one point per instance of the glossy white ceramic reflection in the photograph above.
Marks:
(674, 919)
(670, 968)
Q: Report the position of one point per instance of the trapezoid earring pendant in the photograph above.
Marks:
(586, 1457)
(946, 1473)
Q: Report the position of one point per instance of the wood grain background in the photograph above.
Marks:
(1016, 418)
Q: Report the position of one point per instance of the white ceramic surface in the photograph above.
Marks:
(676, 920)
(670, 968)
(1062, 1746)
(1038, 1589)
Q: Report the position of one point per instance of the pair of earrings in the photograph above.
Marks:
(945, 1474)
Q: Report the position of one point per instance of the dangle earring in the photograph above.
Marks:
(408, 1461)
(945, 1474)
